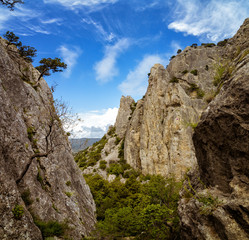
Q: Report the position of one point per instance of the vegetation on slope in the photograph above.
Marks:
(143, 207)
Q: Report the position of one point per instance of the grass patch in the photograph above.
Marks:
(18, 212)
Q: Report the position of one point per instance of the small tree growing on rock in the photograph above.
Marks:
(48, 64)
(27, 53)
(12, 39)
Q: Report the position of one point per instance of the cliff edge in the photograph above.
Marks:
(40, 184)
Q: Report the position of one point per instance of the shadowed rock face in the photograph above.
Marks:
(221, 142)
(35, 158)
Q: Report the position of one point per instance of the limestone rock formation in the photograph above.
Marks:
(159, 136)
(39, 180)
(127, 106)
(214, 201)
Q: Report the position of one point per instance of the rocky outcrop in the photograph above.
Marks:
(127, 106)
(39, 180)
(159, 136)
(214, 201)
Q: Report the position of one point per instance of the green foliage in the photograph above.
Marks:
(172, 57)
(117, 140)
(208, 44)
(174, 80)
(209, 203)
(133, 107)
(18, 212)
(144, 210)
(51, 228)
(47, 64)
(31, 132)
(69, 194)
(12, 39)
(194, 45)
(115, 169)
(111, 131)
(194, 72)
(102, 164)
(121, 151)
(185, 71)
(243, 55)
(26, 197)
(68, 183)
(219, 71)
(27, 53)
(193, 125)
(10, 3)
(222, 43)
(88, 158)
(179, 51)
(193, 87)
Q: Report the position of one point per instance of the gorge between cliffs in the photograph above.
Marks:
(174, 166)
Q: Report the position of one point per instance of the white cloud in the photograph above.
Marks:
(75, 3)
(69, 56)
(109, 37)
(94, 124)
(20, 13)
(52, 20)
(213, 20)
(106, 69)
(136, 81)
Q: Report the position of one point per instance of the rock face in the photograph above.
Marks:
(219, 206)
(37, 171)
(159, 136)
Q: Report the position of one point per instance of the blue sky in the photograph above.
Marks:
(110, 45)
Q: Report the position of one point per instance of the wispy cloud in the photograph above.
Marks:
(94, 124)
(109, 37)
(143, 7)
(38, 29)
(213, 20)
(78, 3)
(106, 69)
(69, 56)
(136, 81)
(52, 20)
(20, 13)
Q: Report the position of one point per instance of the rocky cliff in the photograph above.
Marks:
(40, 185)
(214, 201)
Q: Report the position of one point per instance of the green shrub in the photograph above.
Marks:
(31, 132)
(200, 93)
(88, 158)
(194, 45)
(26, 197)
(174, 80)
(179, 51)
(172, 57)
(185, 71)
(102, 164)
(68, 183)
(143, 211)
(115, 169)
(18, 212)
(194, 72)
(69, 194)
(51, 228)
(111, 131)
(222, 43)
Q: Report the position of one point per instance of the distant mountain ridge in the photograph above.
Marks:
(82, 143)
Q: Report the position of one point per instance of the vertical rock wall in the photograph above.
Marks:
(36, 158)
